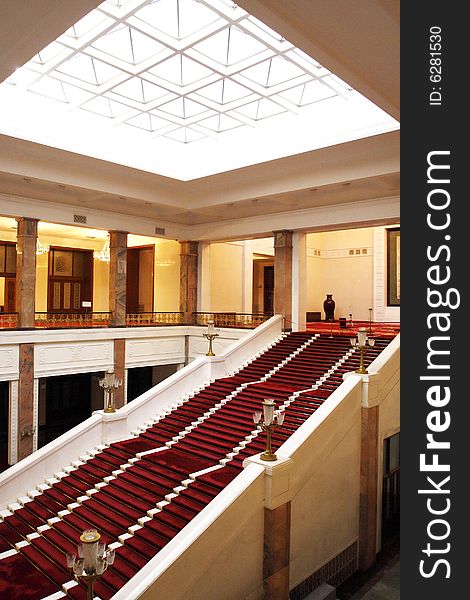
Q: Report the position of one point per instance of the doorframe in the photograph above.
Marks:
(51, 278)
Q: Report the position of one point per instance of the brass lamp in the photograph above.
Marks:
(110, 383)
(362, 343)
(269, 422)
(93, 559)
(210, 335)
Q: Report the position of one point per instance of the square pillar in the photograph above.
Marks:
(26, 416)
(27, 236)
(283, 276)
(120, 371)
(188, 280)
(277, 526)
(369, 487)
(118, 277)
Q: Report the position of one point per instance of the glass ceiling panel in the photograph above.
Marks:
(177, 18)
(200, 71)
(128, 44)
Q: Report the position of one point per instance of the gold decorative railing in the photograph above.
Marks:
(231, 319)
(154, 318)
(8, 320)
(69, 320)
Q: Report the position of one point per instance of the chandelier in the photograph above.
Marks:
(41, 248)
(104, 254)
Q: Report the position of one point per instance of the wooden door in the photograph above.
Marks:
(10, 294)
(268, 286)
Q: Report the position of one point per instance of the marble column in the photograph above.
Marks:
(188, 280)
(369, 488)
(277, 527)
(26, 241)
(117, 277)
(26, 424)
(120, 371)
(283, 276)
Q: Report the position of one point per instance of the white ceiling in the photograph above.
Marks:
(358, 41)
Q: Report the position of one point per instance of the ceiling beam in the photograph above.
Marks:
(29, 26)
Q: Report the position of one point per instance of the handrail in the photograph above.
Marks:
(154, 318)
(231, 319)
(72, 319)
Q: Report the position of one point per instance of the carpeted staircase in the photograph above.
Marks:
(141, 491)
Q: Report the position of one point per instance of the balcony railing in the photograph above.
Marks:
(8, 320)
(53, 320)
(154, 318)
(69, 320)
(231, 319)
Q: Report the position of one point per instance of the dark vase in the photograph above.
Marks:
(329, 308)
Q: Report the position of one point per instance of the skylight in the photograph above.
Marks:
(183, 88)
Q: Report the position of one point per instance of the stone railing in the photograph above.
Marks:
(231, 319)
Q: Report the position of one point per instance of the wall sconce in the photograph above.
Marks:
(210, 335)
(362, 343)
(269, 422)
(93, 559)
(110, 383)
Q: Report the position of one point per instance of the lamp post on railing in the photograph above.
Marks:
(93, 559)
(269, 422)
(210, 335)
(110, 383)
(362, 343)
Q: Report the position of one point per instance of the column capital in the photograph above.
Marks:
(283, 238)
(27, 227)
(188, 248)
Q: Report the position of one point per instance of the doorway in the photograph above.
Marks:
(4, 423)
(268, 296)
(139, 280)
(391, 487)
(141, 379)
(64, 401)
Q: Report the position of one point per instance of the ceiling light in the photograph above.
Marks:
(104, 255)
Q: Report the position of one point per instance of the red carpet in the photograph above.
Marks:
(213, 427)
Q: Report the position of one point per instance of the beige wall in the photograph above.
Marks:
(348, 277)
(326, 483)
(167, 271)
(167, 276)
(226, 277)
